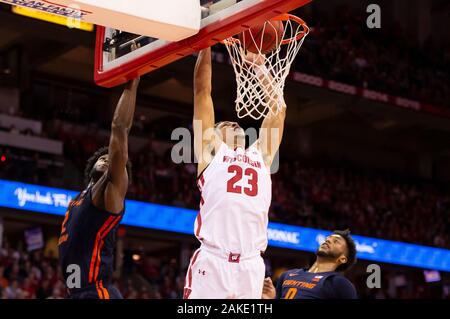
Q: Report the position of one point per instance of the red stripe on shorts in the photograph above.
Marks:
(188, 289)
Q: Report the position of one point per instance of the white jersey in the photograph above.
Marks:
(236, 192)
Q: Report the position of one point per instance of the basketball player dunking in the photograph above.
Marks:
(89, 228)
(235, 187)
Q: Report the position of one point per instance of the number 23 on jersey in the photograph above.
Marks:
(251, 189)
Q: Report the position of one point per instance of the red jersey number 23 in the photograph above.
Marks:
(251, 189)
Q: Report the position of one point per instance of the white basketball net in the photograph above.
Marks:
(261, 77)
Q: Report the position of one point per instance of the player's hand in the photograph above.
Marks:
(135, 46)
(268, 289)
(256, 59)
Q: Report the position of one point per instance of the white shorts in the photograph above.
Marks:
(217, 275)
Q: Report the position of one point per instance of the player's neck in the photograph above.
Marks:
(236, 145)
(322, 266)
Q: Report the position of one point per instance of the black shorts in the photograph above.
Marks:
(107, 292)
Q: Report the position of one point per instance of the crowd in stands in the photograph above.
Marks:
(30, 167)
(341, 47)
(369, 203)
(26, 275)
(321, 196)
(329, 197)
(163, 279)
(15, 130)
(381, 60)
(35, 275)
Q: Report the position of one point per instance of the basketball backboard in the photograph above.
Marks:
(115, 63)
(172, 20)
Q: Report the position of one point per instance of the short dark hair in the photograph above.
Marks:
(351, 250)
(94, 158)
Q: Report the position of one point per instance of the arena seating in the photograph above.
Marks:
(328, 196)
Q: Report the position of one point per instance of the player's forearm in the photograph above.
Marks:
(203, 73)
(272, 127)
(274, 97)
(124, 113)
(118, 143)
(203, 104)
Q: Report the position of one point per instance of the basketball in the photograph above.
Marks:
(263, 38)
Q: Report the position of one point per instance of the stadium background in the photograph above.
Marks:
(347, 158)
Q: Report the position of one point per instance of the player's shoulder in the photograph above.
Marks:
(91, 211)
(338, 278)
(343, 286)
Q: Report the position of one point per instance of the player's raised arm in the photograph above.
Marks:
(114, 183)
(203, 109)
(271, 132)
(118, 148)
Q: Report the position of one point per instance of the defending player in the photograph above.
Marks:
(322, 280)
(235, 187)
(88, 231)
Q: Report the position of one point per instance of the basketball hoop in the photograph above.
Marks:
(261, 75)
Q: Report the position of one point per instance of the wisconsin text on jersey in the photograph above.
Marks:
(241, 158)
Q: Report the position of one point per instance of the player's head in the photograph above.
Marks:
(340, 248)
(231, 133)
(97, 165)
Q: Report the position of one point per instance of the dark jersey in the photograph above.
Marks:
(87, 240)
(301, 284)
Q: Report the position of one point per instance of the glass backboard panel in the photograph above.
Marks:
(115, 63)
